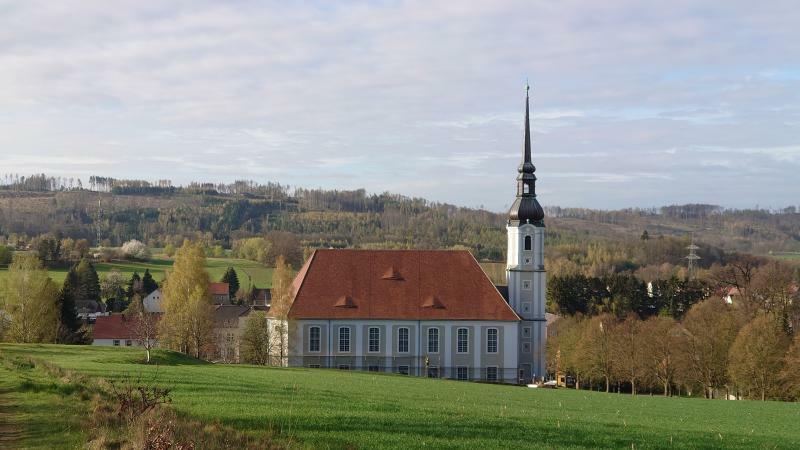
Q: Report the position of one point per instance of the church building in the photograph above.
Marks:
(431, 313)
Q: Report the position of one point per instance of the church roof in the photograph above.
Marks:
(396, 285)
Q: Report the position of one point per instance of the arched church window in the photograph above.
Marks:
(525, 188)
(527, 242)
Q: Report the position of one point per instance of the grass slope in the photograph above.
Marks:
(36, 411)
(248, 271)
(335, 409)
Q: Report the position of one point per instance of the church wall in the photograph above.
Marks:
(389, 359)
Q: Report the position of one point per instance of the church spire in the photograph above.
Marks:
(526, 209)
(527, 166)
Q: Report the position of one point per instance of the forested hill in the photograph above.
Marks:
(159, 213)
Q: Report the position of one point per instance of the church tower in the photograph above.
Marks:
(525, 263)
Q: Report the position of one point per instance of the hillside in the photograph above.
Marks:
(338, 409)
(217, 214)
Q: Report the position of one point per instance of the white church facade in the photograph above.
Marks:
(427, 312)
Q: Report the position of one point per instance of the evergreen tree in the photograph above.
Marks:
(68, 315)
(134, 286)
(88, 280)
(232, 279)
(148, 283)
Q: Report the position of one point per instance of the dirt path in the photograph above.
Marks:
(10, 432)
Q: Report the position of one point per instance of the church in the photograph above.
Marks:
(431, 313)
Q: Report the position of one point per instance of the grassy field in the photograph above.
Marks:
(248, 271)
(36, 411)
(335, 409)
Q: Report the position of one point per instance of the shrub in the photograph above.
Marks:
(135, 249)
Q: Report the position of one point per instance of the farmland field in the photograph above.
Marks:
(321, 408)
(260, 275)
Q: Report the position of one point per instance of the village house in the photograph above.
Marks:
(152, 303)
(115, 330)
(220, 293)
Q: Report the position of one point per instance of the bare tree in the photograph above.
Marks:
(143, 325)
(628, 351)
(660, 336)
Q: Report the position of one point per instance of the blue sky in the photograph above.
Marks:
(634, 103)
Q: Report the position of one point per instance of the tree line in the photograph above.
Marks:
(734, 334)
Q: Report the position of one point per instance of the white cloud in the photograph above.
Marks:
(346, 93)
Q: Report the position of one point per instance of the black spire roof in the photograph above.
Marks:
(526, 209)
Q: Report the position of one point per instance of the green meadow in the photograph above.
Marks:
(249, 272)
(319, 408)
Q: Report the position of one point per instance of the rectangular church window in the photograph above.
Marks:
(314, 339)
(526, 332)
(491, 340)
(433, 340)
(344, 339)
(402, 340)
(526, 284)
(462, 344)
(374, 339)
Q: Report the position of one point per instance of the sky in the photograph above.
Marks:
(634, 103)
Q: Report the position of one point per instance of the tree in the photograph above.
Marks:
(143, 324)
(47, 247)
(757, 357)
(282, 297)
(111, 289)
(595, 356)
(287, 245)
(562, 346)
(232, 279)
(80, 249)
(148, 283)
(135, 250)
(134, 286)
(772, 287)
(253, 249)
(169, 250)
(258, 343)
(645, 236)
(790, 376)
(6, 255)
(628, 351)
(29, 298)
(187, 321)
(88, 281)
(69, 323)
(708, 333)
(661, 336)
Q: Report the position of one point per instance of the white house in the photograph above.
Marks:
(152, 303)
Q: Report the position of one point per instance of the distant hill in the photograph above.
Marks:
(219, 213)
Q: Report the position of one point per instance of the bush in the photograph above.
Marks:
(6, 254)
(135, 249)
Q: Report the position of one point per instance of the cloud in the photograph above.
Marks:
(421, 97)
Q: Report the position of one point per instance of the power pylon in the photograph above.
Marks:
(691, 259)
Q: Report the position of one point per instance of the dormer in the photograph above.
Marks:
(432, 302)
(392, 274)
(345, 301)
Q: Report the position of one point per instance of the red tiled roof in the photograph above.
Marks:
(115, 326)
(218, 288)
(396, 284)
